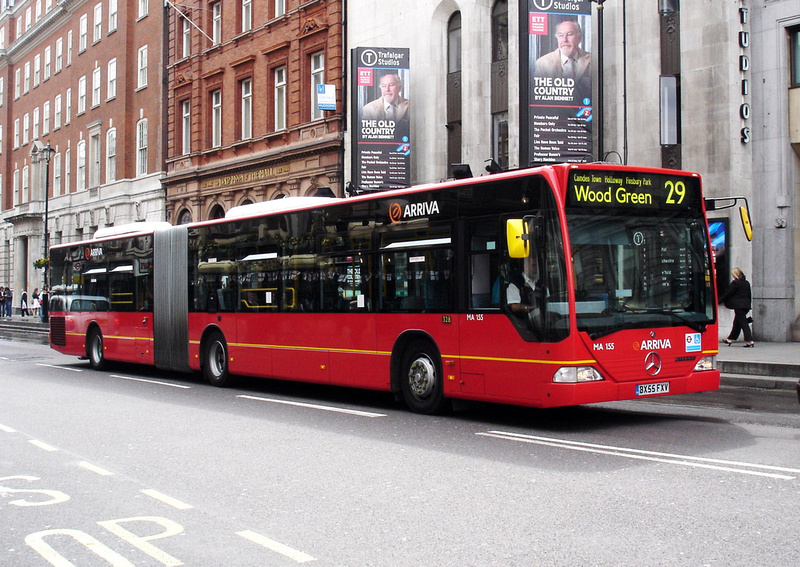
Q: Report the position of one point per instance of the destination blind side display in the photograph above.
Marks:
(636, 192)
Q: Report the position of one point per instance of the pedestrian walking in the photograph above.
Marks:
(738, 297)
(23, 304)
(2, 302)
(35, 304)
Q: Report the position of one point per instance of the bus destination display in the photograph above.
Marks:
(633, 191)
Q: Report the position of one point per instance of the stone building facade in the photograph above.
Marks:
(737, 120)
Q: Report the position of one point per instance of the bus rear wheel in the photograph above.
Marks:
(215, 367)
(94, 349)
(421, 379)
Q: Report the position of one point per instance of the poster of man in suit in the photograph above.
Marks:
(560, 91)
(382, 110)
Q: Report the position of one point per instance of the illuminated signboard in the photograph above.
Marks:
(632, 190)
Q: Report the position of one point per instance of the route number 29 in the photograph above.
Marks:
(677, 192)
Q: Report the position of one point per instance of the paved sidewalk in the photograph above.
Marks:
(782, 353)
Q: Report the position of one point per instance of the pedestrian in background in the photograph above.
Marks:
(2, 302)
(9, 295)
(738, 297)
(23, 304)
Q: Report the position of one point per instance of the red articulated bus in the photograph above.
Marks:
(555, 286)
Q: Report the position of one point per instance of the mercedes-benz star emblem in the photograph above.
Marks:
(652, 363)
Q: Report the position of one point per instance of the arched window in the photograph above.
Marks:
(217, 212)
(499, 97)
(185, 217)
(454, 89)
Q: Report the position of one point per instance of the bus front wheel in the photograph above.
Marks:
(215, 368)
(94, 350)
(421, 379)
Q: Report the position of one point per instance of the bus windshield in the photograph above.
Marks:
(640, 271)
(639, 250)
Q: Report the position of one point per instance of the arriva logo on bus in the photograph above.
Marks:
(89, 253)
(652, 344)
(399, 212)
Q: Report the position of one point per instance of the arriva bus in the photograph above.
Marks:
(555, 286)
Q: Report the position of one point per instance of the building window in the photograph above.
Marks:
(17, 83)
(96, 77)
(37, 70)
(142, 67)
(216, 22)
(69, 48)
(216, 118)
(16, 133)
(185, 217)
(144, 8)
(794, 56)
(246, 88)
(112, 15)
(16, 187)
(453, 93)
(26, 83)
(141, 147)
(57, 113)
(317, 78)
(83, 33)
(59, 54)
(280, 8)
(94, 159)
(48, 62)
(111, 88)
(46, 118)
(280, 98)
(25, 184)
(81, 95)
(57, 174)
(26, 126)
(499, 85)
(98, 23)
(111, 155)
(186, 127)
(81, 167)
(68, 110)
(2, 90)
(67, 170)
(186, 47)
(247, 15)
(35, 124)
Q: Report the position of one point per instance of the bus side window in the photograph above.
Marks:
(484, 264)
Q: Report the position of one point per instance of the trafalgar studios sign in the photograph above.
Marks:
(559, 77)
(382, 112)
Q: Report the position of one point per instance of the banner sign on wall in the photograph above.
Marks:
(381, 108)
(559, 81)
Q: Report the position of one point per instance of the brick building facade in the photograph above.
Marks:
(243, 121)
(85, 78)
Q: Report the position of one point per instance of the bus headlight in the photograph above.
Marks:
(706, 363)
(575, 374)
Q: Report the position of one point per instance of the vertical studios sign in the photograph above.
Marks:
(557, 35)
(744, 69)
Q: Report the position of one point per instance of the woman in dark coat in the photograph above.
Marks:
(737, 297)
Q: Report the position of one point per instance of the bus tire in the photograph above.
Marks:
(215, 363)
(421, 379)
(94, 349)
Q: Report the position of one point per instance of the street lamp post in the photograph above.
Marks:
(41, 153)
